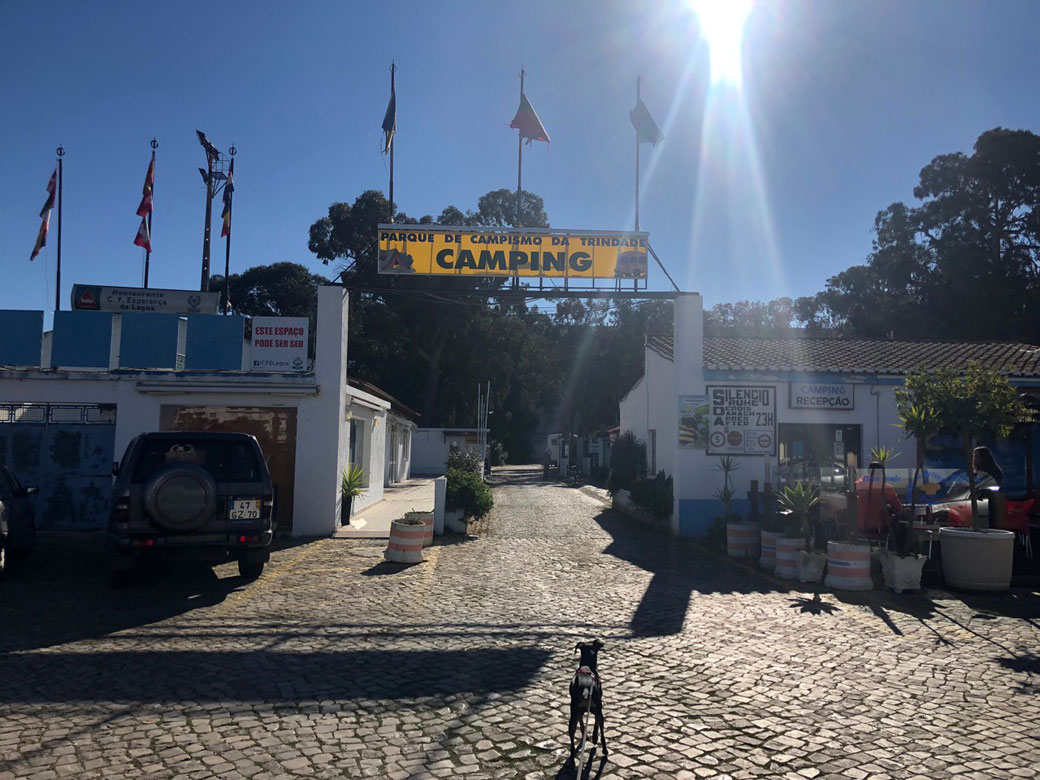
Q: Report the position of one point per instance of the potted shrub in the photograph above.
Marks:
(848, 562)
(742, 538)
(467, 496)
(654, 495)
(795, 553)
(772, 529)
(979, 402)
(352, 483)
(406, 540)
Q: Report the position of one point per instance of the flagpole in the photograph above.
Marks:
(227, 249)
(148, 252)
(393, 70)
(638, 80)
(519, 154)
(57, 282)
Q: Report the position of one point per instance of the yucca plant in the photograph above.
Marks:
(353, 483)
(798, 501)
(919, 421)
(726, 493)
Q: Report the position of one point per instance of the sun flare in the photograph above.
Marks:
(722, 27)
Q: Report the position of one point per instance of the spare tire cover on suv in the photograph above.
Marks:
(180, 497)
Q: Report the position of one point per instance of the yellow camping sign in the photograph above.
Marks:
(449, 251)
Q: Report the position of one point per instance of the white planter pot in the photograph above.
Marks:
(767, 560)
(848, 566)
(427, 520)
(901, 572)
(977, 560)
(811, 565)
(455, 521)
(787, 548)
(742, 540)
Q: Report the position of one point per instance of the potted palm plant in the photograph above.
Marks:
(352, 483)
(980, 402)
(795, 556)
(742, 538)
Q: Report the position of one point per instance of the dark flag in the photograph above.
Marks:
(229, 190)
(390, 121)
(45, 215)
(146, 194)
(646, 128)
(143, 238)
(528, 123)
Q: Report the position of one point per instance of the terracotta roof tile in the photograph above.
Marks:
(857, 356)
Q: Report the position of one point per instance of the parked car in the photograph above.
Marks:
(17, 517)
(954, 508)
(205, 494)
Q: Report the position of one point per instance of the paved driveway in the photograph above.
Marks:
(335, 664)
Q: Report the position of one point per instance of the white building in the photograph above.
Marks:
(784, 405)
(61, 428)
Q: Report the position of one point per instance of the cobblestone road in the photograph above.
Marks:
(335, 664)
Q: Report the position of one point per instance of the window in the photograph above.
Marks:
(356, 454)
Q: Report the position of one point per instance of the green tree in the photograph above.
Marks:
(975, 237)
(978, 402)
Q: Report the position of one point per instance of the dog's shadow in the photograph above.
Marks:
(569, 770)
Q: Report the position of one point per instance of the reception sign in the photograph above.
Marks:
(91, 297)
(817, 395)
(450, 251)
(742, 420)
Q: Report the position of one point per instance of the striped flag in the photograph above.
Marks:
(229, 190)
(45, 215)
(146, 195)
(143, 237)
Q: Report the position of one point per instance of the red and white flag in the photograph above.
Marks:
(45, 215)
(146, 195)
(143, 237)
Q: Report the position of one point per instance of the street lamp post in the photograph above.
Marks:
(212, 175)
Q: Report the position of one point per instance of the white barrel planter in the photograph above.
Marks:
(767, 559)
(848, 566)
(787, 548)
(742, 540)
(810, 565)
(427, 520)
(406, 542)
(901, 572)
(977, 560)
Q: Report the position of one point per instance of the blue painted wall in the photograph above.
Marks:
(22, 338)
(214, 341)
(82, 339)
(148, 340)
(696, 515)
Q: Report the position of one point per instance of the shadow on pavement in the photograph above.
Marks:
(502, 476)
(264, 675)
(63, 593)
(679, 568)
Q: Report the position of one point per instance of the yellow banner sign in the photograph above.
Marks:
(448, 251)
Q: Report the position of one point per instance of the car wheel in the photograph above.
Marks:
(250, 571)
(181, 497)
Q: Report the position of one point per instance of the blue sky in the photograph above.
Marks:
(756, 192)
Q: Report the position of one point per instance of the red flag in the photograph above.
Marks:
(528, 123)
(45, 215)
(143, 238)
(229, 189)
(146, 200)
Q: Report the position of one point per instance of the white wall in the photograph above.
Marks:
(431, 447)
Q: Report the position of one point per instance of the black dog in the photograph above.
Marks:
(587, 693)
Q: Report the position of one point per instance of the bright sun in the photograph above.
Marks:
(722, 26)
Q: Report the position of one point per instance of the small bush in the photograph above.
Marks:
(468, 491)
(497, 453)
(654, 495)
(627, 462)
(464, 460)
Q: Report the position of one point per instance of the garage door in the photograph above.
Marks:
(273, 426)
(66, 450)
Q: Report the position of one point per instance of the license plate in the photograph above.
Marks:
(244, 509)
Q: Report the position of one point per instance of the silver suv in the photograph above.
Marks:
(209, 492)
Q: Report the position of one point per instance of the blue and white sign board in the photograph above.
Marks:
(819, 395)
(91, 297)
(280, 344)
(742, 420)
